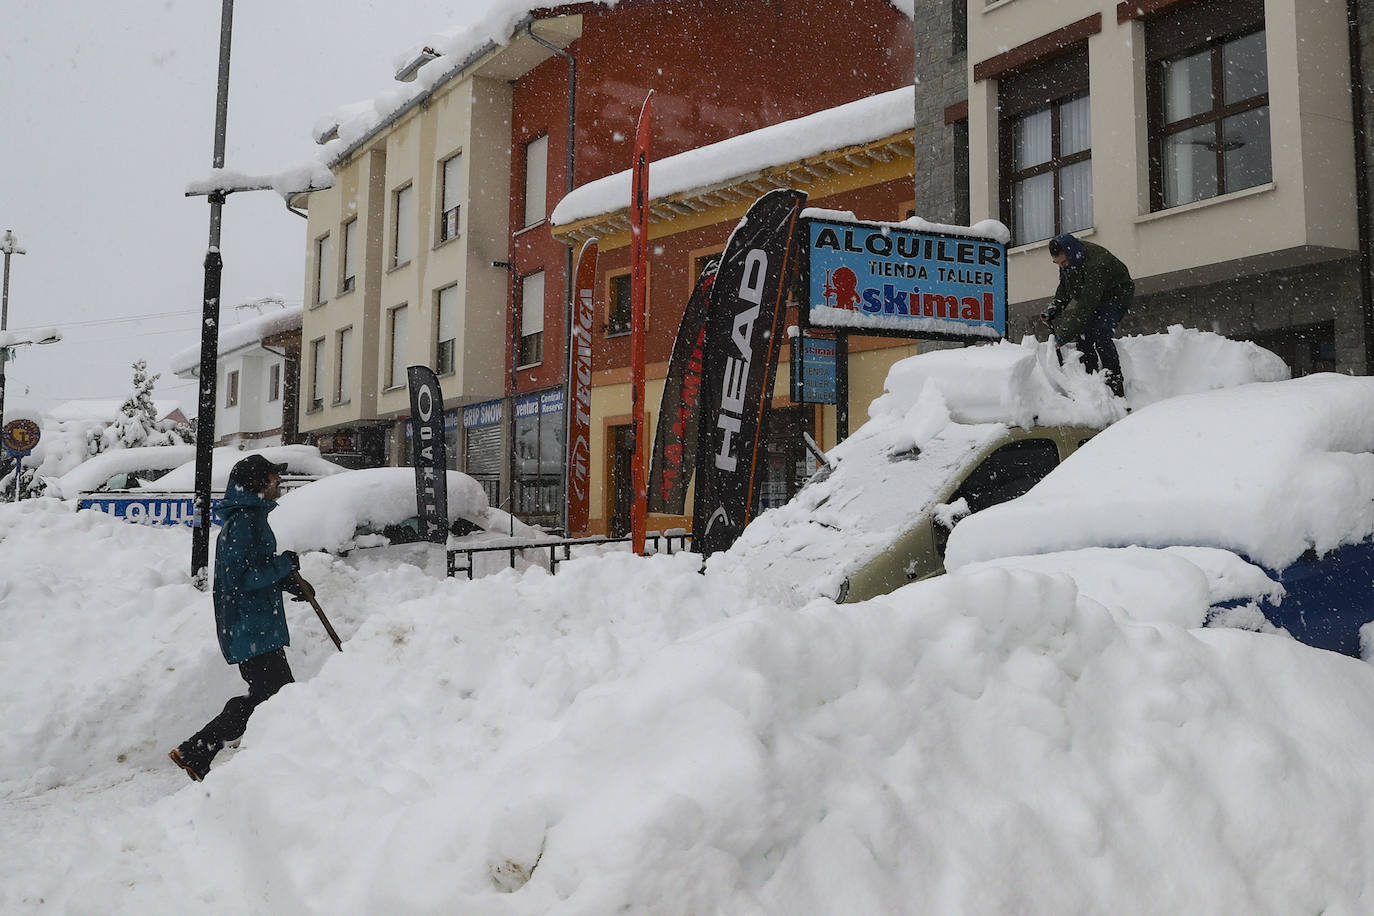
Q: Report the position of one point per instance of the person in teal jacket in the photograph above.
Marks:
(1095, 291)
(249, 617)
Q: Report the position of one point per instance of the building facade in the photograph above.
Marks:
(1210, 144)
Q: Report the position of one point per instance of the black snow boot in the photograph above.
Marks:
(196, 765)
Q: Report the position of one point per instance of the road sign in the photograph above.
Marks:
(20, 436)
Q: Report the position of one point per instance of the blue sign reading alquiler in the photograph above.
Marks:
(886, 279)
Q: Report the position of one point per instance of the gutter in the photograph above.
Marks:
(423, 97)
(1362, 196)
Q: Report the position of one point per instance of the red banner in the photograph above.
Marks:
(580, 390)
(639, 231)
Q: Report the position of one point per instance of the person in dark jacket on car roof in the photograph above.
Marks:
(1095, 291)
(249, 616)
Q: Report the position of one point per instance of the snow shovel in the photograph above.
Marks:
(308, 593)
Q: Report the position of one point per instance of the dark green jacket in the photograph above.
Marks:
(1085, 289)
(248, 577)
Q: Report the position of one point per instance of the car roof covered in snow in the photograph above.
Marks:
(948, 405)
(300, 460)
(96, 470)
(1268, 470)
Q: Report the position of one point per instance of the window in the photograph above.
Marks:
(317, 374)
(539, 453)
(350, 256)
(231, 389)
(403, 248)
(344, 376)
(396, 329)
(1209, 102)
(274, 382)
(619, 305)
(1046, 141)
(319, 295)
(536, 179)
(446, 330)
(531, 320)
(1007, 473)
(450, 196)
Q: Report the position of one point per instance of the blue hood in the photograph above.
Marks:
(237, 499)
(1072, 248)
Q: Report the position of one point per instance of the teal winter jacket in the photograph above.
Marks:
(249, 617)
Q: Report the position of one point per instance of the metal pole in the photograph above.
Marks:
(10, 248)
(209, 329)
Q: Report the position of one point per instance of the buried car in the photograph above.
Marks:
(374, 507)
(1278, 475)
(959, 430)
(120, 469)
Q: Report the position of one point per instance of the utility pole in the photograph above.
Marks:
(209, 326)
(10, 246)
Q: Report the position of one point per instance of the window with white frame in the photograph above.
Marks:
(403, 239)
(231, 389)
(274, 382)
(450, 196)
(343, 384)
(396, 336)
(619, 304)
(320, 295)
(349, 277)
(317, 374)
(536, 179)
(446, 330)
(531, 320)
(1046, 141)
(1208, 94)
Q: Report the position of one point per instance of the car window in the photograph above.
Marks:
(1008, 473)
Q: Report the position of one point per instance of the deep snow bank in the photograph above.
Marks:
(631, 735)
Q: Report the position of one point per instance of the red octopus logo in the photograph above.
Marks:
(842, 285)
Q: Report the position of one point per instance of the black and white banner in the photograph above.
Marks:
(430, 452)
(743, 334)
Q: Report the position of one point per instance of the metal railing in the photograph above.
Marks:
(654, 542)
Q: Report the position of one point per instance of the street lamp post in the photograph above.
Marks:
(10, 246)
(209, 326)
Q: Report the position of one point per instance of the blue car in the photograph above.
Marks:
(1278, 474)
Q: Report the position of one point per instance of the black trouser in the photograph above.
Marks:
(1098, 349)
(265, 675)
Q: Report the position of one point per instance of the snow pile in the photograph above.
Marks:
(300, 460)
(1268, 470)
(631, 736)
(240, 335)
(1012, 383)
(326, 514)
(938, 411)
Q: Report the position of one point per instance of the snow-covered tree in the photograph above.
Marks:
(137, 424)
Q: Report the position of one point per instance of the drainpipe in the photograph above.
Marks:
(1362, 202)
(568, 262)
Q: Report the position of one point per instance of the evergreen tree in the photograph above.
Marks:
(137, 424)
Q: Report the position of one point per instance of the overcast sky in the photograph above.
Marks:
(107, 112)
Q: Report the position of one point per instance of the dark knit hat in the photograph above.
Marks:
(252, 472)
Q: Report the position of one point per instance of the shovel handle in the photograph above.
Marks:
(309, 594)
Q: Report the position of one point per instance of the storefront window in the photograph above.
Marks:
(539, 455)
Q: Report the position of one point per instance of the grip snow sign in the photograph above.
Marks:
(886, 279)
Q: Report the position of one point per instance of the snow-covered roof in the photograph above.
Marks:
(948, 405)
(450, 53)
(105, 410)
(236, 337)
(1267, 470)
(851, 124)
